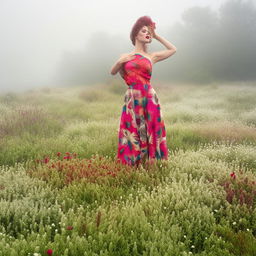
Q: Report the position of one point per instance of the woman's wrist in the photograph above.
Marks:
(157, 36)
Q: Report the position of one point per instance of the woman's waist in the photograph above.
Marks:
(137, 80)
(139, 86)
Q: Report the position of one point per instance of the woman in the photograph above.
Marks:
(142, 133)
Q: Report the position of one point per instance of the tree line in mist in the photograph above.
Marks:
(211, 46)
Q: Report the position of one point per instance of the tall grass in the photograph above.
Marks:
(63, 193)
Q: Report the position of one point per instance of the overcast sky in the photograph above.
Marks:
(34, 33)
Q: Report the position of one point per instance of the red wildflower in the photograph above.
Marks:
(67, 157)
(69, 227)
(58, 154)
(46, 160)
(241, 198)
(230, 195)
(233, 175)
(67, 153)
(49, 251)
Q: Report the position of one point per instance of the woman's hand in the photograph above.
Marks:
(152, 28)
(119, 63)
(126, 57)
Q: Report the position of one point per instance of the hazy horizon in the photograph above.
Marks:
(38, 35)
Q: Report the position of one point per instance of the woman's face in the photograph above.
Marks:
(144, 35)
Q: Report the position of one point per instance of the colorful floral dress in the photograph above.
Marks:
(141, 134)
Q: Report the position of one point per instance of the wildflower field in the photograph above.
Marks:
(62, 192)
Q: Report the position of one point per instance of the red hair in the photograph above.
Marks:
(141, 22)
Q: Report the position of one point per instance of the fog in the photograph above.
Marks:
(67, 43)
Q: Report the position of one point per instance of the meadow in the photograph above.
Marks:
(62, 192)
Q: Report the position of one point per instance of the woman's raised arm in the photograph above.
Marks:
(123, 58)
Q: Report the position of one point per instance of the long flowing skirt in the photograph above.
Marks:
(142, 133)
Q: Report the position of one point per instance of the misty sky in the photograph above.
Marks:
(35, 33)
